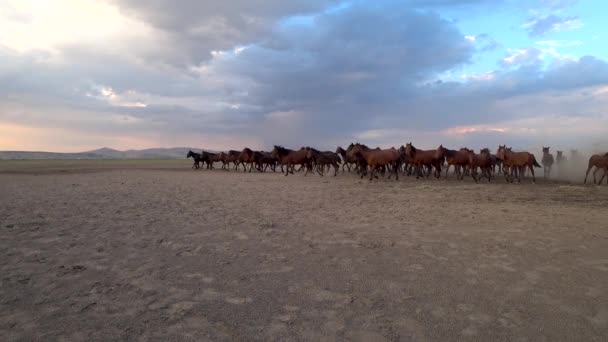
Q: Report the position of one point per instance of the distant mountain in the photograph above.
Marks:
(105, 153)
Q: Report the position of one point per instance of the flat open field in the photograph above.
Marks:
(152, 250)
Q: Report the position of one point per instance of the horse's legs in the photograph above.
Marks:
(594, 173)
(604, 175)
(371, 173)
(531, 167)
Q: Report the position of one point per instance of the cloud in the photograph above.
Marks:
(519, 57)
(243, 73)
(540, 26)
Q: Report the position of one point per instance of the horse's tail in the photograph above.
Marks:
(534, 162)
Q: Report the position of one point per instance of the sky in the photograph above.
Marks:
(76, 75)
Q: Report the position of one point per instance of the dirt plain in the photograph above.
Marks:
(155, 251)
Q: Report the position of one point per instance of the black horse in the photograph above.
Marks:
(196, 157)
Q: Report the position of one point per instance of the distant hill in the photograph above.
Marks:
(104, 153)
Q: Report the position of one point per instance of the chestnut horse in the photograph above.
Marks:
(290, 158)
(425, 158)
(599, 161)
(483, 161)
(377, 159)
(460, 160)
(547, 162)
(516, 162)
(226, 158)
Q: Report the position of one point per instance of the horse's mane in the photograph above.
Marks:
(485, 150)
(282, 150)
(414, 149)
(450, 153)
(313, 149)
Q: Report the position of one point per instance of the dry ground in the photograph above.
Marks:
(152, 250)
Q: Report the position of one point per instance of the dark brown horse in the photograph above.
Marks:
(516, 163)
(547, 162)
(600, 162)
(347, 159)
(265, 160)
(482, 161)
(425, 158)
(324, 159)
(196, 157)
(290, 158)
(377, 159)
(247, 156)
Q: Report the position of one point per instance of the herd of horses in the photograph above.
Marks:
(405, 160)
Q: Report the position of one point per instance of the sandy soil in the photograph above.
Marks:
(154, 251)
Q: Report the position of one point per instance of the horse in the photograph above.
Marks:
(378, 158)
(460, 160)
(290, 158)
(428, 158)
(599, 161)
(483, 161)
(196, 157)
(547, 162)
(247, 156)
(207, 158)
(516, 162)
(347, 159)
(212, 158)
(323, 159)
(265, 160)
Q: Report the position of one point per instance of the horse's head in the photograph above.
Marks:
(190, 154)
(560, 153)
(409, 149)
(500, 153)
(310, 152)
(545, 149)
(484, 150)
(357, 149)
(339, 150)
(277, 151)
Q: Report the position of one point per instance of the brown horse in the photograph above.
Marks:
(460, 160)
(247, 156)
(483, 161)
(378, 158)
(228, 157)
(516, 162)
(547, 162)
(290, 158)
(599, 161)
(425, 158)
